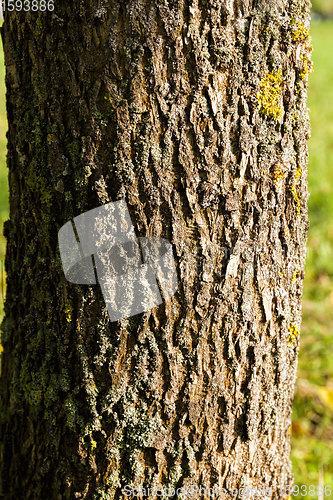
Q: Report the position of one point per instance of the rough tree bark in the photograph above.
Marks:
(195, 113)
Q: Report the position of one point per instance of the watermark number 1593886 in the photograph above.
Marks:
(26, 6)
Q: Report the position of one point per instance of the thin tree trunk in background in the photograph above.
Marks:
(195, 114)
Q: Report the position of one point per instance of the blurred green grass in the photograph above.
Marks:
(323, 7)
(312, 429)
(3, 173)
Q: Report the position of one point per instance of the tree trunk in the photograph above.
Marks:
(195, 114)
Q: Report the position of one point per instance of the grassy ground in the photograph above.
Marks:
(312, 432)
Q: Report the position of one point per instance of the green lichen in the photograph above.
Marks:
(39, 186)
(140, 428)
(75, 153)
(175, 474)
(71, 413)
(99, 118)
(68, 196)
(38, 27)
(270, 95)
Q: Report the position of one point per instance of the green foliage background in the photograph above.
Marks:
(3, 174)
(323, 7)
(312, 429)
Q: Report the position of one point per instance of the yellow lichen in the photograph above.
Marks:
(270, 95)
(296, 200)
(295, 275)
(294, 332)
(68, 313)
(286, 233)
(279, 175)
(307, 66)
(293, 190)
(93, 444)
(300, 33)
